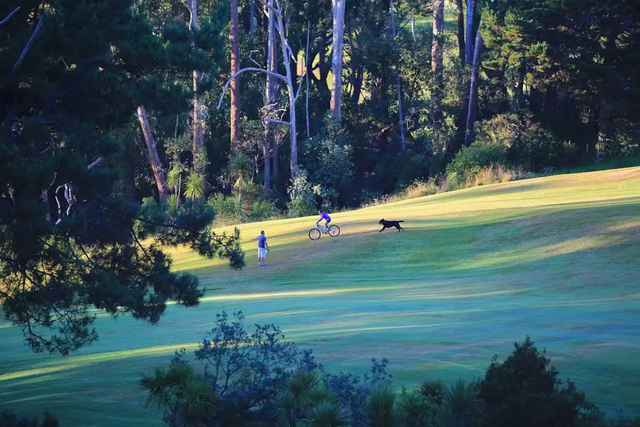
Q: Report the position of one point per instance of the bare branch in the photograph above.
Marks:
(276, 121)
(4, 21)
(262, 70)
(95, 163)
(275, 10)
(27, 47)
(297, 95)
(253, 60)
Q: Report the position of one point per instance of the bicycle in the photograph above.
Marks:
(315, 233)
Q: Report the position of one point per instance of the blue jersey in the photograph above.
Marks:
(325, 217)
(261, 241)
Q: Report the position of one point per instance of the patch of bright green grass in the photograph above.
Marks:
(555, 258)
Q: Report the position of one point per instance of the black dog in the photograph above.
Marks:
(389, 224)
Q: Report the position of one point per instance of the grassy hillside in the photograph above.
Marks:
(554, 258)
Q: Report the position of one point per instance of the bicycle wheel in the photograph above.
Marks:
(314, 234)
(334, 231)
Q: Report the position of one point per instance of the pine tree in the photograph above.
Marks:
(69, 240)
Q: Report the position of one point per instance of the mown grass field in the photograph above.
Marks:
(555, 258)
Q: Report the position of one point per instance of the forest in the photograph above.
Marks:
(261, 108)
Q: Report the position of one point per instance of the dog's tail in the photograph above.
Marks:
(400, 221)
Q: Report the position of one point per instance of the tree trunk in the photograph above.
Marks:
(252, 24)
(234, 42)
(604, 128)
(522, 71)
(306, 68)
(473, 92)
(286, 58)
(152, 154)
(399, 88)
(288, 78)
(336, 60)
(198, 133)
(413, 27)
(437, 48)
(461, 47)
(271, 94)
(469, 49)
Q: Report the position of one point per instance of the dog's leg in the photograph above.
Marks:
(381, 230)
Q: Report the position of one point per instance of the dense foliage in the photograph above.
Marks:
(259, 379)
(70, 232)
(8, 419)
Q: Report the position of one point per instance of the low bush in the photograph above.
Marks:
(258, 379)
(9, 419)
(225, 207)
(469, 161)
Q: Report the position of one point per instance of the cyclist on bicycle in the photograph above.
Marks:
(326, 218)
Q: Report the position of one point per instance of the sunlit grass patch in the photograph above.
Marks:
(555, 258)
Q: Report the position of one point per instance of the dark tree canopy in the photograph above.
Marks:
(62, 109)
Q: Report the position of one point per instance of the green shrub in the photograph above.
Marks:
(262, 210)
(470, 160)
(301, 195)
(225, 207)
(416, 409)
(527, 144)
(434, 390)
(380, 407)
(524, 391)
(329, 164)
(8, 419)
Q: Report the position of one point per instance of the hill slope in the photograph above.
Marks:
(554, 258)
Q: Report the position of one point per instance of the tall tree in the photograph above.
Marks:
(461, 43)
(271, 94)
(61, 109)
(470, 34)
(293, 92)
(337, 58)
(398, 86)
(234, 42)
(198, 132)
(437, 53)
(473, 92)
(152, 154)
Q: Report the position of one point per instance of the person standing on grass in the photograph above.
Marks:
(263, 248)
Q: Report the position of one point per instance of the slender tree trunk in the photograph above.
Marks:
(234, 42)
(604, 127)
(522, 71)
(267, 158)
(473, 92)
(252, 24)
(198, 133)
(293, 163)
(288, 77)
(398, 85)
(336, 61)
(306, 68)
(469, 45)
(437, 65)
(461, 47)
(413, 27)
(270, 96)
(152, 154)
